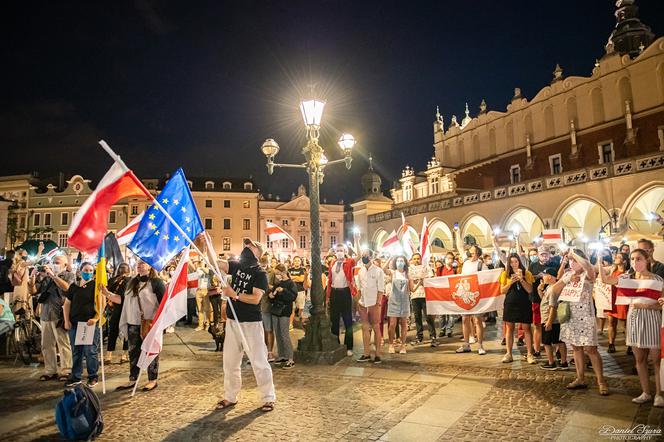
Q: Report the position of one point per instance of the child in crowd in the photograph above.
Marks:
(550, 324)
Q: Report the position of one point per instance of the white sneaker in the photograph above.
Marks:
(530, 359)
(170, 329)
(481, 351)
(659, 401)
(472, 340)
(507, 359)
(391, 350)
(349, 353)
(403, 351)
(645, 397)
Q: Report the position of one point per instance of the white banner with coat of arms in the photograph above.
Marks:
(464, 294)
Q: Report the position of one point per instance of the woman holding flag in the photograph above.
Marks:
(141, 300)
(79, 308)
(643, 324)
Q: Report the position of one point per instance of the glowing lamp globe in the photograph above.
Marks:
(312, 112)
(347, 142)
(270, 148)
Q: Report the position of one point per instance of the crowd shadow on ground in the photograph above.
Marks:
(214, 426)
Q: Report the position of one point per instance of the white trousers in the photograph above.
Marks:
(55, 339)
(257, 353)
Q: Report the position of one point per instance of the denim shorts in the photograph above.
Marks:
(267, 321)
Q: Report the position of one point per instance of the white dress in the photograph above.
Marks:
(581, 328)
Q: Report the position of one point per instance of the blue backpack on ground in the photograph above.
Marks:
(78, 414)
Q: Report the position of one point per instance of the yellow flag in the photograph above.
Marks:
(101, 278)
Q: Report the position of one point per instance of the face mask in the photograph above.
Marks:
(401, 265)
(534, 258)
(87, 276)
(24, 258)
(247, 258)
(365, 260)
(340, 255)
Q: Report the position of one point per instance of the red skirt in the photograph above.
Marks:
(537, 315)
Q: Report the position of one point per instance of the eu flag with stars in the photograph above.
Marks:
(157, 240)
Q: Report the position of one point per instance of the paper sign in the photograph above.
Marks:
(85, 334)
(572, 291)
(603, 296)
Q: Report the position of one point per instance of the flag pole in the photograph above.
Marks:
(168, 216)
(138, 378)
(101, 345)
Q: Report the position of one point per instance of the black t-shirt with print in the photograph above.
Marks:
(244, 281)
(299, 271)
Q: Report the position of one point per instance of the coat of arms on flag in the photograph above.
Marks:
(464, 294)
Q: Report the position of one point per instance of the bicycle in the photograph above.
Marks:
(26, 338)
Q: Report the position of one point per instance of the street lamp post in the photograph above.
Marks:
(318, 343)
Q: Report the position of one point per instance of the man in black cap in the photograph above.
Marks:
(249, 284)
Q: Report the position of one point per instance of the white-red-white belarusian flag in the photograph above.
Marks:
(173, 306)
(552, 236)
(637, 290)
(424, 241)
(464, 294)
(124, 236)
(276, 233)
(661, 351)
(391, 240)
(89, 226)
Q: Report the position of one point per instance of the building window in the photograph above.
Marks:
(36, 220)
(226, 244)
(112, 215)
(407, 192)
(268, 243)
(434, 185)
(606, 153)
(246, 204)
(268, 220)
(248, 186)
(227, 224)
(134, 210)
(208, 203)
(515, 174)
(333, 240)
(303, 223)
(246, 224)
(284, 222)
(226, 185)
(284, 243)
(227, 204)
(47, 219)
(555, 164)
(46, 236)
(333, 224)
(303, 242)
(208, 223)
(209, 185)
(21, 222)
(62, 239)
(64, 220)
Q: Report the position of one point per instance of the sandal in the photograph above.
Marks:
(49, 377)
(149, 388)
(577, 384)
(225, 404)
(603, 389)
(267, 407)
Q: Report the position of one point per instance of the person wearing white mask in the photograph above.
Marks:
(50, 292)
(340, 292)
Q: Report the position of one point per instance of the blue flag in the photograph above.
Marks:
(157, 240)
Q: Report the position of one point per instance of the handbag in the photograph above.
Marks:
(146, 324)
(277, 308)
(563, 312)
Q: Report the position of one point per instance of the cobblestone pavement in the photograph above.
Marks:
(427, 394)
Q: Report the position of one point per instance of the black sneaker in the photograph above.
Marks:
(72, 383)
(92, 383)
(449, 334)
(537, 354)
(520, 342)
(434, 343)
(563, 366)
(377, 360)
(548, 366)
(611, 349)
(288, 365)
(364, 358)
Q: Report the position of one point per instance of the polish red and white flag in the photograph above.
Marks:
(464, 294)
(552, 236)
(391, 240)
(124, 236)
(173, 306)
(90, 224)
(276, 233)
(638, 291)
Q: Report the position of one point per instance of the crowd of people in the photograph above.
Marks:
(384, 293)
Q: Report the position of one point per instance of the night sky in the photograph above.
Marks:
(202, 84)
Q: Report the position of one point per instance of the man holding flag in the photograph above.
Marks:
(249, 284)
